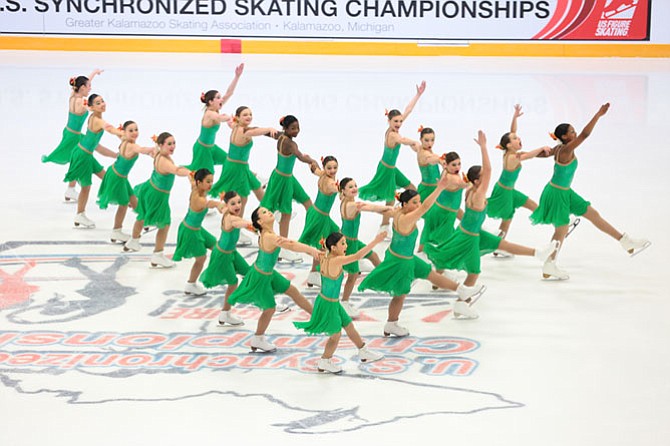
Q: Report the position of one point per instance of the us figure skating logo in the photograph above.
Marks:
(616, 18)
(101, 328)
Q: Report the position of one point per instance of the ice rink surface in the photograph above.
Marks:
(97, 348)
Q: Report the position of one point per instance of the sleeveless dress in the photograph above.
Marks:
(283, 187)
(558, 200)
(328, 316)
(153, 199)
(430, 175)
(349, 229)
(399, 268)
(69, 140)
(318, 223)
(463, 249)
(82, 162)
(225, 263)
(205, 152)
(387, 179)
(261, 283)
(192, 239)
(115, 187)
(440, 219)
(237, 176)
(505, 199)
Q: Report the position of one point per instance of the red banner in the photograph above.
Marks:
(598, 20)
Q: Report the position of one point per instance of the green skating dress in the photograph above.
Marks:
(505, 199)
(463, 249)
(153, 199)
(115, 187)
(430, 175)
(225, 263)
(205, 152)
(439, 221)
(69, 140)
(318, 223)
(328, 316)
(237, 176)
(387, 179)
(192, 239)
(399, 268)
(82, 162)
(350, 228)
(558, 200)
(283, 187)
(261, 283)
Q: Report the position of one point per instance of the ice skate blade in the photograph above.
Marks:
(260, 350)
(157, 266)
(83, 226)
(326, 371)
(633, 252)
(464, 317)
(388, 335)
(226, 324)
(550, 278)
(573, 226)
(289, 262)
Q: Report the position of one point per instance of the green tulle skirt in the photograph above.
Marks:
(153, 206)
(192, 243)
(504, 202)
(114, 190)
(259, 289)
(317, 226)
(462, 251)
(556, 205)
(328, 318)
(82, 167)
(237, 177)
(438, 225)
(63, 153)
(395, 275)
(223, 269)
(207, 157)
(280, 193)
(383, 185)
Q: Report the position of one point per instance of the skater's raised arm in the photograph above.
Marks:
(419, 91)
(517, 113)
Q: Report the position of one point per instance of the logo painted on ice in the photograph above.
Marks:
(31, 358)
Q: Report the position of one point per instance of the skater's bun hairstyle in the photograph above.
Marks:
(201, 174)
(333, 239)
(407, 195)
(239, 110)
(77, 82)
(255, 217)
(91, 98)
(504, 140)
(287, 120)
(473, 173)
(326, 159)
(561, 130)
(392, 114)
(451, 156)
(425, 131)
(344, 182)
(127, 123)
(229, 195)
(206, 98)
(162, 138)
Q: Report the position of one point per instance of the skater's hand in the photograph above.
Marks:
(481, 139)
(517, 110)
(603, 109)
(239, 69)
(380, 237)
(318, 255)
(421, 88)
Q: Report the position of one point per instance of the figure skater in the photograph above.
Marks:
(558, 201)
(115, 187)
(329, 317)
(82, 163)
(153, 200)
(262, 282)
(283, 188)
